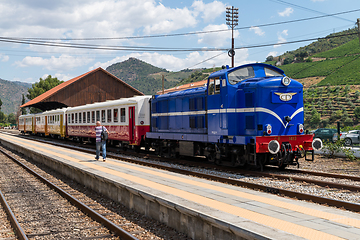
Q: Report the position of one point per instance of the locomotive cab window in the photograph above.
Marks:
(214, 86)
(241, 75)
(272, 73)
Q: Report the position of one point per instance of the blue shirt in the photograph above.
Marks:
(98, 130)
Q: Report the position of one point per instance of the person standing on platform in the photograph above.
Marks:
(100, 142)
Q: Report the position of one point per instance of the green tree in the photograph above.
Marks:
(269, 58)
(357, 112)
(315, 118)
(40, 87)
(23, 110)
(2, 117)
(11, 118)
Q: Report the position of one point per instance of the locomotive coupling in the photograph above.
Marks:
(317, 144)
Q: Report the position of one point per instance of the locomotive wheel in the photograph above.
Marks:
(211, 158)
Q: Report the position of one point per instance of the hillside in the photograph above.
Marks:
(11, 95)
(146, 77)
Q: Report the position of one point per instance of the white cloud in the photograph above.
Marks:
(60, 76)
(4, 58)
(257, 31)
(62, 63)
(286, 12)
(174, 63)
(216, 39)
(281, 38)
(273, 53)
(209, 11)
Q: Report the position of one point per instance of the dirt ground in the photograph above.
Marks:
(331, 165)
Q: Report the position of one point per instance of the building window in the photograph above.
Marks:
(116, 115)
(122, 114)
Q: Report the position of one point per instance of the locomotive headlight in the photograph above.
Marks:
(286, 81)
(300, 128)
(274, 147)
(268, 129)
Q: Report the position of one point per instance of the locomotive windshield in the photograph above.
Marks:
(241, 75)
(272, 73)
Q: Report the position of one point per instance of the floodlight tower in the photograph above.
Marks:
(232, 21)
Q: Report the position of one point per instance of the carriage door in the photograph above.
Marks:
(46, 126)
(131, 124)
(61, 126)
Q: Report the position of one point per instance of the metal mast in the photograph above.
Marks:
(232, 21)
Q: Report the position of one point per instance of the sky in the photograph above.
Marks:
(174, 35)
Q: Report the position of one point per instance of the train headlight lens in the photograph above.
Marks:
(268, 129)
(317, 144)
(286, 81)
(273, 147)
(300, 128)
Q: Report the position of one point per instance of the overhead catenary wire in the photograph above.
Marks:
(156, 49)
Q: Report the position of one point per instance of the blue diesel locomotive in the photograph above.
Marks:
(248, 115)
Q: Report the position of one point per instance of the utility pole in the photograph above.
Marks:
(232, 21)
(358, 23)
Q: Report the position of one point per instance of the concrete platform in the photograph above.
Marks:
(200, 208)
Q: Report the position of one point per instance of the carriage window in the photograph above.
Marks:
(98, 115)
(76, 117)
(272, 73)
(58, 118)
(84, 117)
(116, 117)
(214, 86)
(72, 118)
(109, 115)
(93, 116)
(122, 114)
(88, 117)
(103, 117)
(69, 118)
(241, 75)
(79, 117)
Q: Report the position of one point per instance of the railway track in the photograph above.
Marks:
(287, 175)
(43, 209)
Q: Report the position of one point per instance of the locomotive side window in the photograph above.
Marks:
(103, 117)
(122, 114)
(109, 115)
(214, 86)
(116, 115)
(272, 73)
(241, 75)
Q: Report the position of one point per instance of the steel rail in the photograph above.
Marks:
(302, 196)
(91, 213)
(13, 221)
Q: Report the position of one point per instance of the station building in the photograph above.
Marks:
(97, 85)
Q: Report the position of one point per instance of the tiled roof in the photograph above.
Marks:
(52, 91)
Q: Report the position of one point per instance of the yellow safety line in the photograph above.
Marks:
(257, 217)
